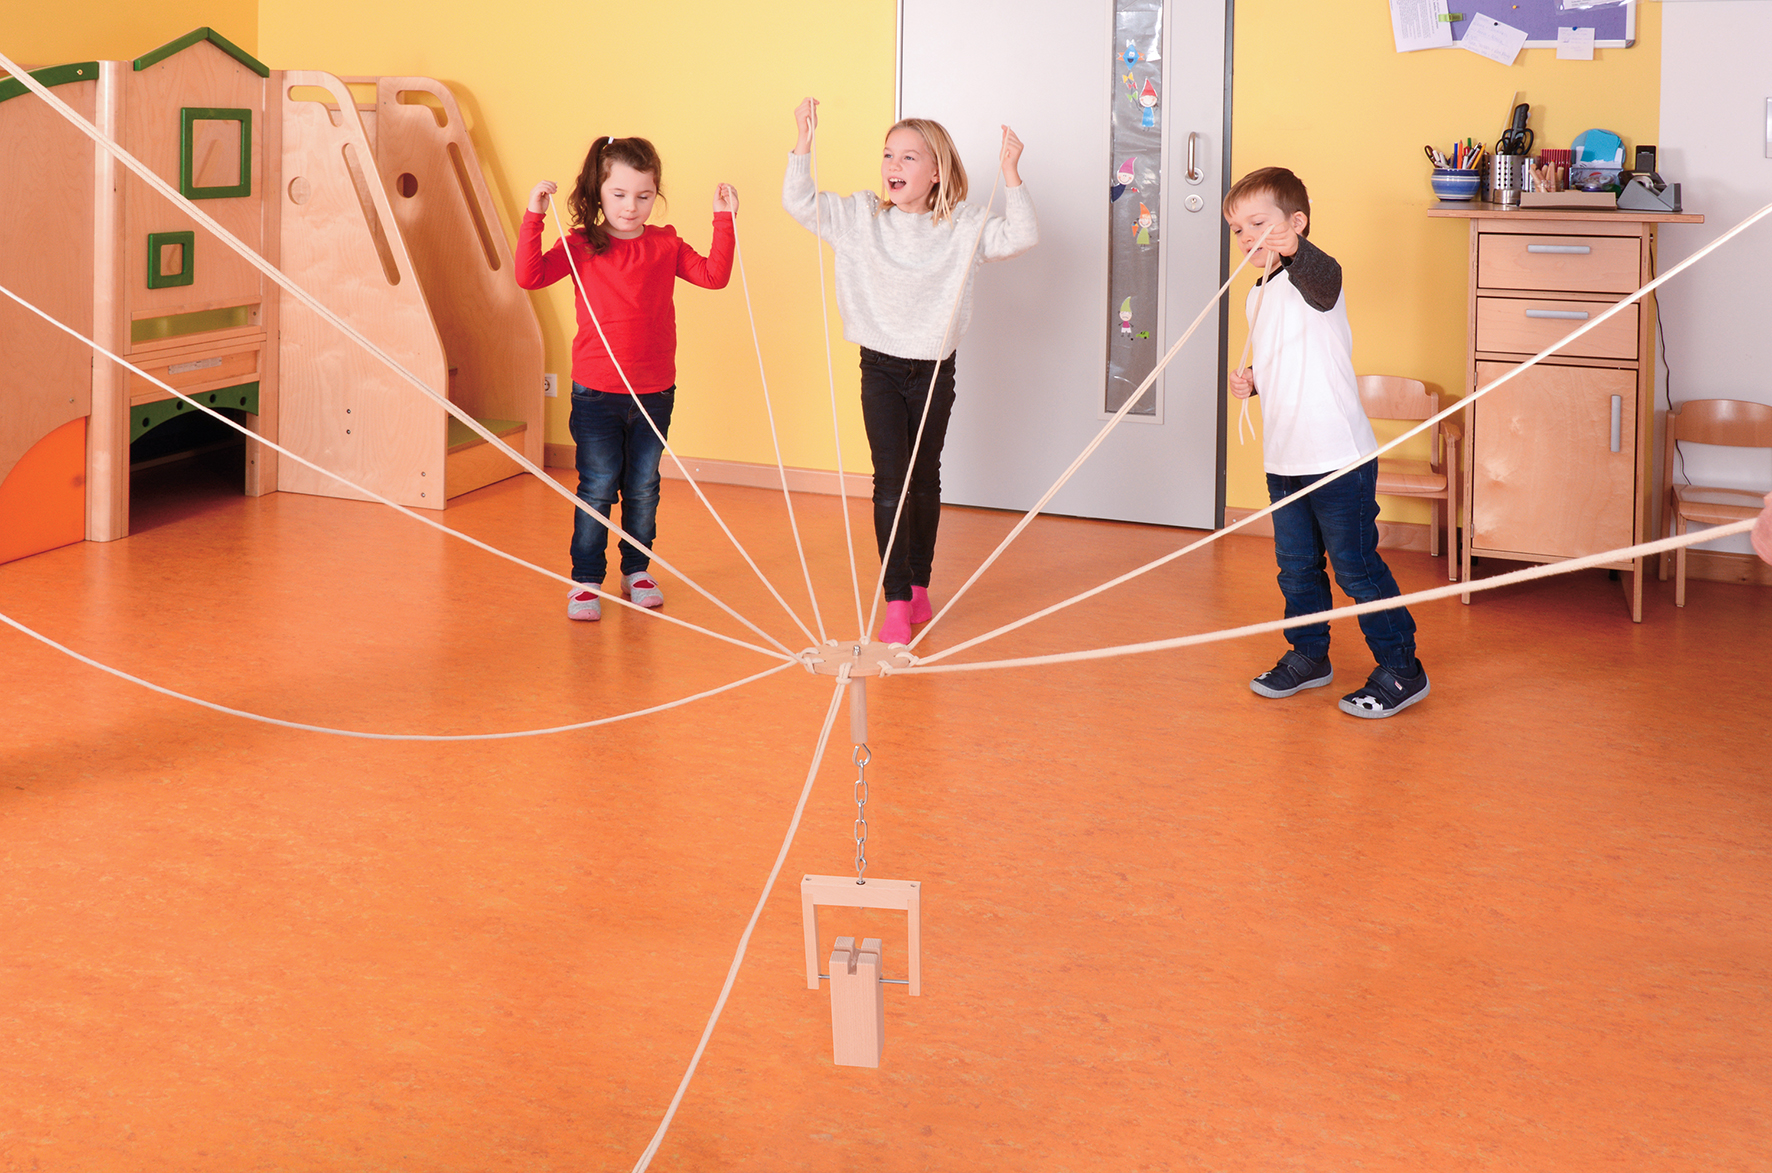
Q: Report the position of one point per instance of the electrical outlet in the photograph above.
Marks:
(550, 386)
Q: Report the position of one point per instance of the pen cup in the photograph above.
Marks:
(1456, 183)
(1507, 175)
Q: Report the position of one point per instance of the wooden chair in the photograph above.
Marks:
(1732, 422)
(1392, 397)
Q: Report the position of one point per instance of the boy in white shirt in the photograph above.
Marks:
(1313, 424)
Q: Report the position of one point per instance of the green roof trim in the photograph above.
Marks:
(55, 75)
(203, 34)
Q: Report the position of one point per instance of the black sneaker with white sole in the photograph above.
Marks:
(1385, 694)
(1294, 673)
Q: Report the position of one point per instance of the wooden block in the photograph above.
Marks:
(858, 1003)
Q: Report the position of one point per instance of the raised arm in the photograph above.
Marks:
(532, 268)
(1016, 231)
(832, 216)
(714, 270)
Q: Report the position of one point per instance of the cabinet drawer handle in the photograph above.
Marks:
(1571, 250)
(1617, 421)
(1559, 315)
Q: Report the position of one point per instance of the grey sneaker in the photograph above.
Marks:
(1385, 694)
(583, 604)
(642, 590)
(1294, 673)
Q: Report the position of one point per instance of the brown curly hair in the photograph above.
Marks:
(586, 201)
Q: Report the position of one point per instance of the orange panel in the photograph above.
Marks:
(43, 499)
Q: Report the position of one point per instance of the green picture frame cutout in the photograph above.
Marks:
(158, 245)
(197, 144)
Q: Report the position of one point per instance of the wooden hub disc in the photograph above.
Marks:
(864, 659)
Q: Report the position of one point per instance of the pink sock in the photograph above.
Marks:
(897, 628)
(921, 611)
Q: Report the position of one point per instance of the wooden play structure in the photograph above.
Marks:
(366, 191)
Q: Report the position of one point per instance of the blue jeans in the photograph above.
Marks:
(1340, 521)
(618, 454)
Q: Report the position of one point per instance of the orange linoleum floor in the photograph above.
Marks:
(1168, 925)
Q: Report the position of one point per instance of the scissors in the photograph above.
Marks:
(1434, 157)
(1516, 139)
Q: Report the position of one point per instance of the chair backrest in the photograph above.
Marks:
(1738, 423)
(1392, 397)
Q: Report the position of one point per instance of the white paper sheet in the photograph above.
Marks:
(1417, 24)
(1575, 44)
(1488, 37)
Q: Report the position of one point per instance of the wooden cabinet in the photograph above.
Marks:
(1557, 459)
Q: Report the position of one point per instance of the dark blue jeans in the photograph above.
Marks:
(618, 455)
(1341, 521)
(893, 391)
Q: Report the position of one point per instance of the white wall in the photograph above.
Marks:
(1716, 75)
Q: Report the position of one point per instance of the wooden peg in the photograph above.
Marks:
(858, 710)
(858, 1003)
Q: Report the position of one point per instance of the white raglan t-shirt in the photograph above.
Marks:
(1302, 357)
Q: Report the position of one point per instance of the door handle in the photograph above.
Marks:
(1575, 250)
(1617, 422)
(1559, 315)
(1194, 174)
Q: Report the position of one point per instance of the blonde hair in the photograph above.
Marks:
(949, 191)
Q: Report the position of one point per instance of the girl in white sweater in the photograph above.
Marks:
(902, 263)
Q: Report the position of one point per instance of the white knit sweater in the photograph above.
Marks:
(899, 274)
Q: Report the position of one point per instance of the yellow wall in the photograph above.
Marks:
(713, 85)
(1320, 89)
(36, 32)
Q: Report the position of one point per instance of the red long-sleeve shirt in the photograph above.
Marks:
(630, 287)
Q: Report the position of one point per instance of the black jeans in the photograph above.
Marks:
(893, 391)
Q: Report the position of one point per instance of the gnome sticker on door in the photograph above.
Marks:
(1122, 180)
(1147, 98)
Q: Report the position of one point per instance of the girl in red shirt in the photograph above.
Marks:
(627, 270)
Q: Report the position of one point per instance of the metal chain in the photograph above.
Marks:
(861, 759)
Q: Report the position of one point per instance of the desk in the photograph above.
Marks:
(1557, 461)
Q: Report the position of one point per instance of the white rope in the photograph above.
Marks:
(904, 489)
(744, 941)
(1569, 566)
(769, 411)
(831, 371)
(1432, 420)
(370, 493)
(585, 295)
(276, 275)
(331, 732)
(1248, 343)
(1028, 517)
